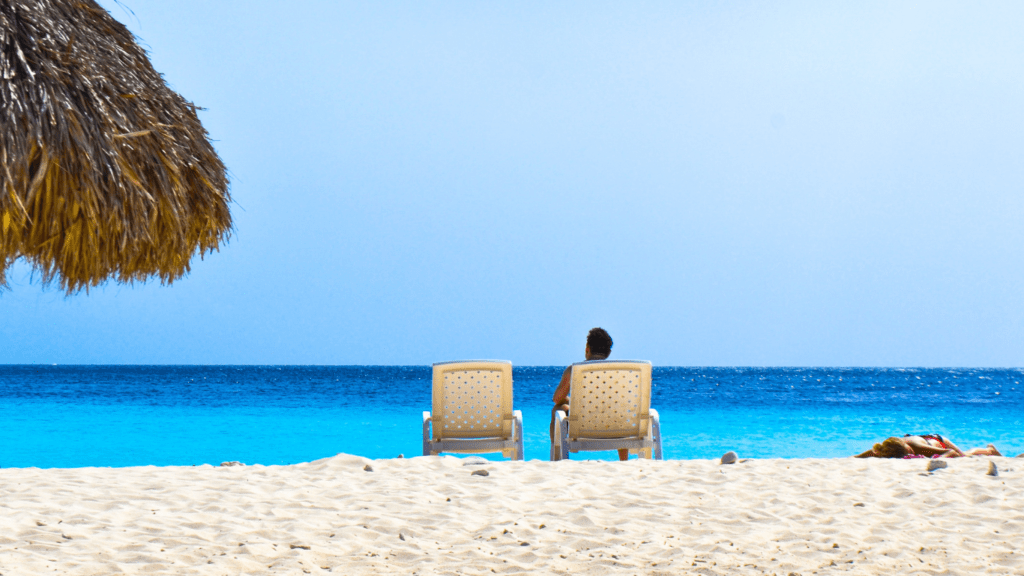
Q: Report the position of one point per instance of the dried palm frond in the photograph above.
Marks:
(105, 172)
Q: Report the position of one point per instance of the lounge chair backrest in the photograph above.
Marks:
(472, 399)
(609, 399)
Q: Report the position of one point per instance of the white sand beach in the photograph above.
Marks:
(433, 516)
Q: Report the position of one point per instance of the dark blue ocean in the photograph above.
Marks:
(72, 416)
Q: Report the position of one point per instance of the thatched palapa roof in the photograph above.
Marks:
(105, 172)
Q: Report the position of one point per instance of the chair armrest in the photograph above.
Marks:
(656, 432)
(518, 436)
(426, 433)
(561, 439)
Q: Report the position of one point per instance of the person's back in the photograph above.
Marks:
(599, 347)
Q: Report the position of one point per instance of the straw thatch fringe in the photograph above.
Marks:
(104, 171)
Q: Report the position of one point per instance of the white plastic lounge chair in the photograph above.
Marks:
(609, 408)
(472, 410)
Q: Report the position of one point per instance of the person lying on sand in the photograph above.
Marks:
(599, 347)
(929, 445)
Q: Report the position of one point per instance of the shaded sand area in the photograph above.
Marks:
(434, 516)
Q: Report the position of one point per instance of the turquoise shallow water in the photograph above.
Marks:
(59, 416)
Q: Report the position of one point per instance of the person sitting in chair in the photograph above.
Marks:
(599, 347)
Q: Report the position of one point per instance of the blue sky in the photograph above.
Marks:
(806, 183)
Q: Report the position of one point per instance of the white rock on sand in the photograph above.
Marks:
(432, 516)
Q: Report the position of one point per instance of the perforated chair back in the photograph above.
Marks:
(609, 399)
(472, 400)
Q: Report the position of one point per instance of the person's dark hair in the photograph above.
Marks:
(892, 448)
(599, 342)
